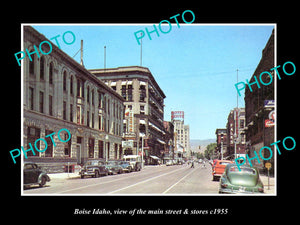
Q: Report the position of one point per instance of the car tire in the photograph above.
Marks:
(82, 176)
(97, 174)
(43, 182)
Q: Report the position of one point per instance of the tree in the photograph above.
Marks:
(209, 151)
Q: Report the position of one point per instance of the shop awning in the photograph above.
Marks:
(154, 157)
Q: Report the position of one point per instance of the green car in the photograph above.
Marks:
(243, 181)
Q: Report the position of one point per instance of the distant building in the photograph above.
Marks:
(144, 108)
(259, 112)
(60, 93)
(236, 139)
(181, 134)
(221, 148)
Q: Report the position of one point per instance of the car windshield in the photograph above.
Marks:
(92, 163)
(242, 170)
(130, 159)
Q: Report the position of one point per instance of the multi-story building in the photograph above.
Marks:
(258, 111)
(221, 148)
(144, 108)
(61, 93)
(236, 140)
(182, 132)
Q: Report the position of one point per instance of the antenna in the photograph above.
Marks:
(81, 53)
(141, 50)
(104, 57)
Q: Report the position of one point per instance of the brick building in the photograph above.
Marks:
(236, 139)
(259, 134)
(221, 148)
(61, 93)
(144, 108)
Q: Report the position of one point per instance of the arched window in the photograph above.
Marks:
(51, 71)
(65, 81)
(42, 66)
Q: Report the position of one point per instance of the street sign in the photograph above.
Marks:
(127, 144)
(268, 165)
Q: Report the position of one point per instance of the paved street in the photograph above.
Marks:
(179, 179)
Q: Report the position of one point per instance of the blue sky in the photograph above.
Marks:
(195, 65)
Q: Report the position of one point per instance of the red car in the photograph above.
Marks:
(219, 168)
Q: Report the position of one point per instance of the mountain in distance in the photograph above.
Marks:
(195, 143)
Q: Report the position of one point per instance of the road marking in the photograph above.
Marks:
(179, 181)
(95, 184)
(144, 181)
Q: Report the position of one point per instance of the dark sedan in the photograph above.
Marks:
(93, 168)
(243, 181)
(33, 174)
(126, 166)
(113, 167)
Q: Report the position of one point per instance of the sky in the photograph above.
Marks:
(194, 64)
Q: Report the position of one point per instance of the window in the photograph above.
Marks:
(88, 94)
(71, 112)
(33, 134)
(31, 65)
(64, 110)
(42, 66)
(31, 98)
(51, 73)
(41, 102)
(100, 151)
(91, 147)
(65, 81)
(49, 150)
(71, 86)
(50, 105)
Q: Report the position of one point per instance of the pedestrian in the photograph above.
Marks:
(192, 166)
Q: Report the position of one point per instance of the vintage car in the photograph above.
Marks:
(135, 161)
(126, 166)
(243, 181)
(93, 168)
(33, 174)
(113, 167)
(219, 168)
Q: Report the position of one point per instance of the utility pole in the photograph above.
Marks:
(141, 56)
(104, 57)
(81, 53)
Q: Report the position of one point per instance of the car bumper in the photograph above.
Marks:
(87, 173)
(239, 191)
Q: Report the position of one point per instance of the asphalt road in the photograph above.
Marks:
(156, 180)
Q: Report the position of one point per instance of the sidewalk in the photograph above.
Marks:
(264, 179)
(63, 175)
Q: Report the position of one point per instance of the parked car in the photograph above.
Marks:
(235, 181)
(113, 167)
(33, 174)
(126, 166)
(135, 161)
(219, 168)
(169, 162)
(93, 168)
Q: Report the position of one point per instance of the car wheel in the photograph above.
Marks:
(43, 182)
(82, 176)
(97, 174)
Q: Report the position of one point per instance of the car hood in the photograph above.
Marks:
(247, 180)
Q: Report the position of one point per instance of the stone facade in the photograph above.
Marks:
(60, 93)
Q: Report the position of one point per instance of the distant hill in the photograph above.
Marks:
(195, 143)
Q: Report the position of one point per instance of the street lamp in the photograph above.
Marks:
(142, 135)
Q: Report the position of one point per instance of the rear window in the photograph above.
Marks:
(243, 170)
(224, 163)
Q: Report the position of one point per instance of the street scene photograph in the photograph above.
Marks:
(164, 109)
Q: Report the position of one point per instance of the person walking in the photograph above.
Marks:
(192, 166)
